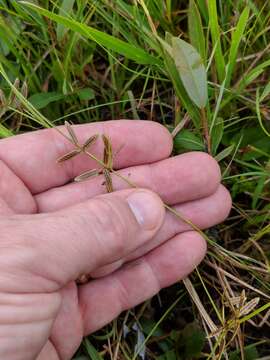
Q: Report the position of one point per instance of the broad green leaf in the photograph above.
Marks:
(216, 34)
(248, 136)
(168, 355)
(186, 140)
(65, 9)
(191, 341)
(236, 40)
(191, 70)
(86, 94)
(259, 148)
(108, 41)
(250, 353)
(258, 190)
(179, 88)
(195, 29)
(41, 100)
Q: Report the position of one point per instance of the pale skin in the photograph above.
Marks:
(53, 231)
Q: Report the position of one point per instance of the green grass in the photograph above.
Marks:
(108, 59)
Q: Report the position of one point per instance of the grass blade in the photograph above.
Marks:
(215, 33)
(65, 8)
(224, 153)
(108, 41)
(236, 40)
(4, 132)
(195, 29)
(258, 111)
(91, 350)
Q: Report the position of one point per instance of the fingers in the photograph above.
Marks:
(179, 179)
(48, 352)
(47, 251)
(4, 208)
(10, 187)
(104, 299)
(27, 318)
(32, 156)
(203, 213)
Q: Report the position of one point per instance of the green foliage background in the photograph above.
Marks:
(83, 60)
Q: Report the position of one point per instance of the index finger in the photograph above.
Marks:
(32, 156)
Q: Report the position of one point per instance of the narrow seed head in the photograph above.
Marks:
(69, 155)
(107, 154)
(108, 180)
(87, 175)
(72, 134)
(24, 89)
(17, 83)
(90, 141)
(249, 306)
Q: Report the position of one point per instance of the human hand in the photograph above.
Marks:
(52, 231)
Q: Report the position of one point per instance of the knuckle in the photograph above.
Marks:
(111, 226)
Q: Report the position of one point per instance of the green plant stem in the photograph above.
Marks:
(205, 130)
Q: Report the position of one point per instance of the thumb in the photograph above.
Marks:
(59, 247)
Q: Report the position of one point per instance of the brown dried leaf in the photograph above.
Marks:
(90, 141)
(69, 155)
(87, 175)
(72, 134)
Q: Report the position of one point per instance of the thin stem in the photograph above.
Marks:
(205, 130)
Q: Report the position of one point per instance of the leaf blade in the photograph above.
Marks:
(236, 40)
(195, 29)
(108, 41)
(215, 34)
(191, 70)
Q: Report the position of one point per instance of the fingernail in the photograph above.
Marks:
(147, 209)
